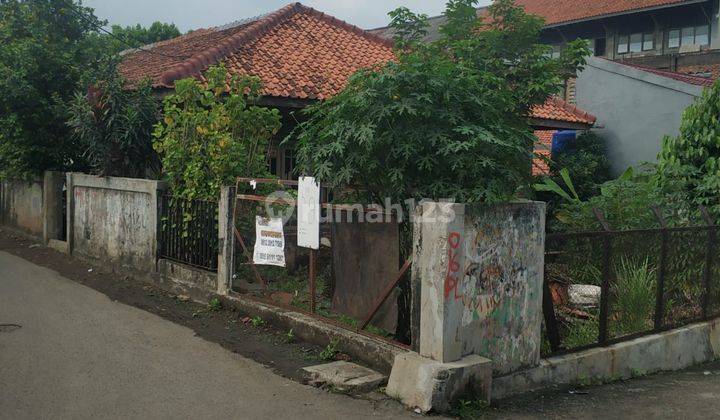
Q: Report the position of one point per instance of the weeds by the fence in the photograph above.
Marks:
(648, 280)
(634, 296)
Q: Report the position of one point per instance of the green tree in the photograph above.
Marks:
(45, 47)
(125, 37)
(689, 164)
(446, 119)
(113, 126)
(211, 134)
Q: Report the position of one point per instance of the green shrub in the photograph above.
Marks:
(690, 162)
(587, 163)
(211, 133)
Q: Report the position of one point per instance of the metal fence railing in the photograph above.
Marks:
(188, 232)
(610, 286)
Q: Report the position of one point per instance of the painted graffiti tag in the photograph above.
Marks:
(452, 278)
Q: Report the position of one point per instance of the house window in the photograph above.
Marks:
(635, 42)
(623, 47)
(674, 38)
(702, 35)
(648, 42)
(691, 35)
(688, 36)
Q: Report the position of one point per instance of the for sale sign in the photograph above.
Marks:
(269, 242)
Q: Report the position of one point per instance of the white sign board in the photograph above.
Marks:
(308, 213)
(269, 242)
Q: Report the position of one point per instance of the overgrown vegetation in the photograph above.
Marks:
(634, 296)
(586, 162)
(45, 48)
(211, 134)
(446, 119)
(690, 163)
(113, 126)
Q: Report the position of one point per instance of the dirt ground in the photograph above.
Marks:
(232, 330)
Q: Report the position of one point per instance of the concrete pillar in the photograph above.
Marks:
(52, 205)
(226, 236)
(70, 191)
(479, 270)
(439, 263)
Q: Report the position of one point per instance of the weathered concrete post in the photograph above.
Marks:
(70, 211)
(442, 257)
(479, 272)
(226, 235)
(52, 205)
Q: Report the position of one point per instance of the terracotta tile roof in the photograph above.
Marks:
(297, 51)
(564, 11)
(558, 110)
(543, 152)
(679, 76)
(708, 71)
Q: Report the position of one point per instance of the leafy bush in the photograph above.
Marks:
(113, 126)
(447, 119)
(690, 162)
(587, 164)
(211, 134)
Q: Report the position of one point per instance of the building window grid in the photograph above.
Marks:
(689, 35)
(637, 42)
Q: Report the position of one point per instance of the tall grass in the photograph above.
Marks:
(634, 296)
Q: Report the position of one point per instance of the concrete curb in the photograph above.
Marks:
(668, 351)
(373, 352)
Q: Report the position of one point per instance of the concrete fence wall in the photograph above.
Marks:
(114, 220)
(21, 206)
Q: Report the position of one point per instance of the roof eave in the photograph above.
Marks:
(542, 123)
(627, 12)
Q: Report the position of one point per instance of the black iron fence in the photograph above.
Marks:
(610, 286)
(188, 232)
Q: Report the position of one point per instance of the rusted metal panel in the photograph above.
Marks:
(366, 257)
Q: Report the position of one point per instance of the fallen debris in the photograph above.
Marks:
(344, 377)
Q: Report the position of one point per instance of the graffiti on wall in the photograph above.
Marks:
(490, 276)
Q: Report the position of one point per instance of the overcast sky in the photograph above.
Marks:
(193, 14)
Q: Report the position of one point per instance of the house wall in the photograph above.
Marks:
(635, 109)
(114, 220)
(21, 206)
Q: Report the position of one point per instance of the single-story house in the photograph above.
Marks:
(300, 54)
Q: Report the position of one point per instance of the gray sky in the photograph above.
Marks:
(193, 14)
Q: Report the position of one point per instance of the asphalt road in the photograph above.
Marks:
(69, 352)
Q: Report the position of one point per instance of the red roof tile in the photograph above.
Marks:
(543, 152)
(680, 76)
(708, 71)
(296, 51)
(558, 110)
(564, 11)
